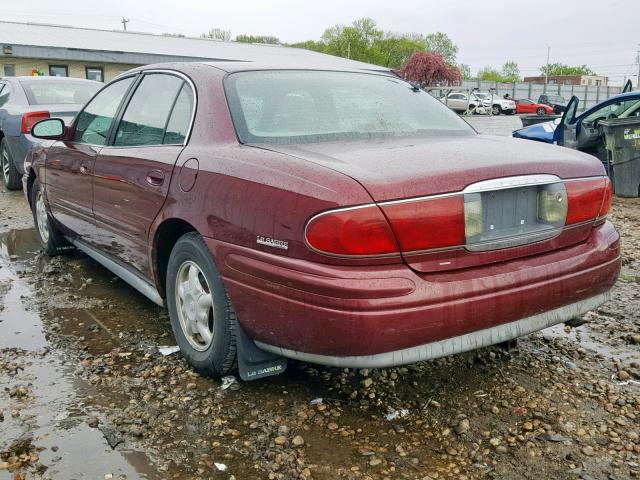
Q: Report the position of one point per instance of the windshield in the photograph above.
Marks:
(44, 92)
(315, 106)
(619, 109)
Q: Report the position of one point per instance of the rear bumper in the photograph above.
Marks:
(391, 314)
(449, 346)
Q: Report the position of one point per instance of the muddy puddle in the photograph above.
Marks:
(40, 393)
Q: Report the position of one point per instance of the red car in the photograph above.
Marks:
(340, 217)
(529, 106)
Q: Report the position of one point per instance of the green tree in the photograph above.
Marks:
(244, 38)
(490, 74)
(218, 34)
(465, 71)
(394, 50)
(316, 46)
(510, 72)
(563, 69)
(439, 42)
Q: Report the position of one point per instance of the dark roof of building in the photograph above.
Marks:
(34, 40)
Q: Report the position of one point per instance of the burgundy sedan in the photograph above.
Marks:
(339, 217)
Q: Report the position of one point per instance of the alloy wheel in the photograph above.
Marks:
(42, 218)
(4, 161)
(194, 303)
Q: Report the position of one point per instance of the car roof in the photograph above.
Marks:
(293, 64)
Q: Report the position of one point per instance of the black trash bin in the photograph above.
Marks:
(622, 140)
(528, 120)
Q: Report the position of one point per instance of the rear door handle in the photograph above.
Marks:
(155, 178)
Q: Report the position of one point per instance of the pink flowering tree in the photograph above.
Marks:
(429, 69)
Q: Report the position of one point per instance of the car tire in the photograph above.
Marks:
(50, 237)
(541, 111)
(496, 110)
(10, 174)
(202, 316)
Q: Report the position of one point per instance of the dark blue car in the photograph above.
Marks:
(582, 132)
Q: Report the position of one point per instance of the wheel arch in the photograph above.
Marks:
(165, 237)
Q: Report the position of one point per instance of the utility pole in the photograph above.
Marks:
(546, 72)
(124, 22)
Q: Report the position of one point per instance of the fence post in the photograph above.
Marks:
(598, 94)
(586, 94)
(529, 96)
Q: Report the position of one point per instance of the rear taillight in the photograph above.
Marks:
(607, 200)
(587, 199)
(351, 231)
(29, 119)
(427, 223)
(522, 214)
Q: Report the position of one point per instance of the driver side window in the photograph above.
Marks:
(94, 122)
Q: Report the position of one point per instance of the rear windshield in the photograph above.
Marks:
(315, 106)
(44, 92)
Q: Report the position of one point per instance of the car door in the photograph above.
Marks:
(566, 131)
(527, 106)
(133, 173)
(69, 164)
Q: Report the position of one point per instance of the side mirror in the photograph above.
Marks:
(49, 129)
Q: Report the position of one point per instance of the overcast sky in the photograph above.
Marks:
(602, 34)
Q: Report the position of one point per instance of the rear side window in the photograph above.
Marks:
(94, 122)
(145, 120)
(178, 125)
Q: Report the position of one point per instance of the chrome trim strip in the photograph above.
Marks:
(125, 274)
(449, 346)
(506, 183)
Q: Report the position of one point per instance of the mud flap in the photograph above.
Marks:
(254, 363)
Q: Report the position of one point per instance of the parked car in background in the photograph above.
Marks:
(497, 103)
(460, 102)
(338, 217)
(557, 102)
(24, 101)
(525, 105)
(582, 132)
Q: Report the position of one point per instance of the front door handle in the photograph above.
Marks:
(155, 178)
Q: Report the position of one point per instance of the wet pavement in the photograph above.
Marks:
(85, 393)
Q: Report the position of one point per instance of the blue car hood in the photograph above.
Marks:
(542, 132)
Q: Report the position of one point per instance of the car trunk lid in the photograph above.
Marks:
(499, 176)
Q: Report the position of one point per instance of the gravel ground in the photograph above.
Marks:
(85, 393)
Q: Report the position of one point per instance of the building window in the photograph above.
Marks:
(9, 70)
(94, 73)
(58, 70)
(599, 83)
